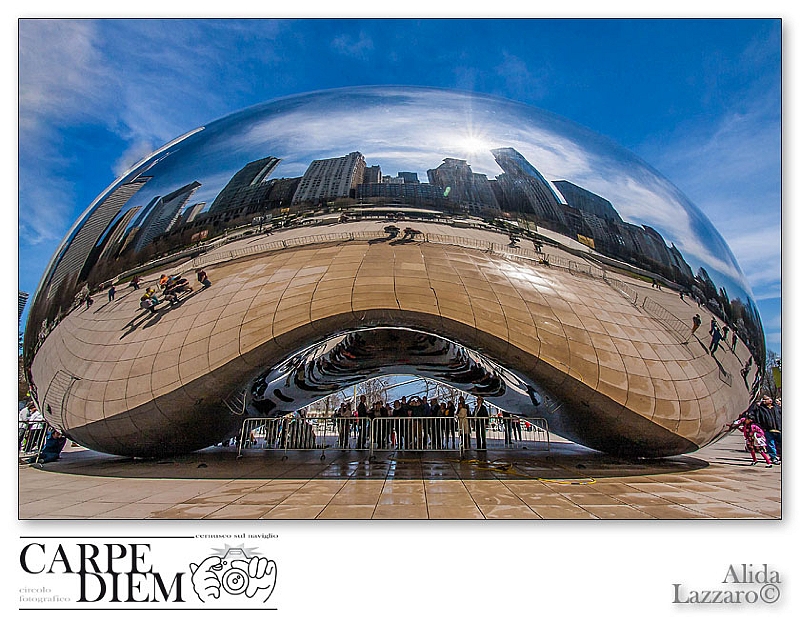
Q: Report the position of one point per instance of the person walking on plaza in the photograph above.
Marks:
(462, 414)
(481, 418)
(112, 290)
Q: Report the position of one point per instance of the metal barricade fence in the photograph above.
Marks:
(288, 433)
(31, 438)
(409, 433)
(406, 433)
(512, 433)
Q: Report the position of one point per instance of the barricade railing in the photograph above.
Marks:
(31, 439)
(407, 433)
(288, 433)
(676, 326)
(624, 288)
(511, 433)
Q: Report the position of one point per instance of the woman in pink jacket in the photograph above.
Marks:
(754, 437)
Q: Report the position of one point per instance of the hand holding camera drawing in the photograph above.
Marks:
(236, 573)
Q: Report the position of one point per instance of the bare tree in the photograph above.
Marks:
(771, 382)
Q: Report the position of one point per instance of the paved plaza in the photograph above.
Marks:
(568, 482)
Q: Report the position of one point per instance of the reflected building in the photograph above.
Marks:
(560, 297)
(372, 175)
(331, 178)
(247, 191)
(470, 190)
(116, 237)
(525, 190)
(162, 213)
(192, 211)
(74, 259)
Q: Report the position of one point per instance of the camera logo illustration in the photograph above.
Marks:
(239, 574)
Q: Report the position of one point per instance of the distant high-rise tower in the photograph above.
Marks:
(524, 188)
(76, 254)
(23, 299)
(409, 177)
(465, 187)
(192, 211)
(331, 178)
(372, 175)
(586, 201)
(246, 188)
(112, 244)
(162, 214)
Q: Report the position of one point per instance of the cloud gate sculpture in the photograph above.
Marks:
(374, 231)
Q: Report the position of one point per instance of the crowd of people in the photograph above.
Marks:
(419, 424)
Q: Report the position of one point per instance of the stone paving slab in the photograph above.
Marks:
(569, 482)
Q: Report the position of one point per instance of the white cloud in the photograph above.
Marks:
(61, 72)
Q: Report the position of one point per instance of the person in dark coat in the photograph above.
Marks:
(481, 417)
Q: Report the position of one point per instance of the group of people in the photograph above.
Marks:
(761, 426)
(37, 438)
(171, 287)
(418, 424)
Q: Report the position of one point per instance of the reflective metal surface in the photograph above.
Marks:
(518, 242)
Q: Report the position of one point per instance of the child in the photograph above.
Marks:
(754, 437)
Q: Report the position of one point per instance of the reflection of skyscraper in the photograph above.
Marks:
(246, 188)
(163, 212)
(330, 178)
(409, 177)
(524, 188)
(77, 252)
(192, 211)
(467, 188)
(413, 194)
(372, 175)
(113, 241)
(586, 201)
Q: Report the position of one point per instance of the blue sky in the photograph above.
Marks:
(699, 100)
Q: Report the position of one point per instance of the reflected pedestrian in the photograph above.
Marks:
(716, 336)
(202, 277)
(696, 322)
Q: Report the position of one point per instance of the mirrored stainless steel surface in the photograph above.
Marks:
(517, 241)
